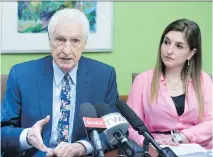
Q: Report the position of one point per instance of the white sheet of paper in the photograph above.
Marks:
(187, 149)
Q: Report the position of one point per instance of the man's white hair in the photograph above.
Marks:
(69, 15)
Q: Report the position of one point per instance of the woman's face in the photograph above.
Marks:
(175, 50)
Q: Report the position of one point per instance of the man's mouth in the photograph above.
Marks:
(66, 58)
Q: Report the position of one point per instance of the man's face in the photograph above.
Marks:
(67, 44)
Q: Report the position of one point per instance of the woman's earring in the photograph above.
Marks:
(188, 62)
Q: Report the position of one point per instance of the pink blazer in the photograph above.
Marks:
(162, 115)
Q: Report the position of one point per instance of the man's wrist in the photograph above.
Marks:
(88, 147)
(23, 140)
(27, 137)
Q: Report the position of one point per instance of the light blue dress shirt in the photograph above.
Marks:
(57, 86)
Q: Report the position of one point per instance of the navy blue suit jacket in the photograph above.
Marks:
(28, 98)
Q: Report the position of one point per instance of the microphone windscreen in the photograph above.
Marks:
(114, 121)
(87, 110)
(129, 114)
(102, 109)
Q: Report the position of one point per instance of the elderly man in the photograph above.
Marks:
(40, 110)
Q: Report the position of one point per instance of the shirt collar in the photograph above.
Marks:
(59, 74)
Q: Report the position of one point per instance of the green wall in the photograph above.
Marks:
(137, 30)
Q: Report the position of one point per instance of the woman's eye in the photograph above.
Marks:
(179, 46)
(166, 42)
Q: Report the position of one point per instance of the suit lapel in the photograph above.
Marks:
(82, 95)
(45, 89)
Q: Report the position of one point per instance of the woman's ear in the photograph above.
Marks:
(191, 53)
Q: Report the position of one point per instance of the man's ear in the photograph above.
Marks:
(86, 40)
(85, 44)
(49, 39)
(191, 53)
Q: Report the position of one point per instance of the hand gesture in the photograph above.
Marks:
(34, 135)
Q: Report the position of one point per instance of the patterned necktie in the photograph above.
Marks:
(63, 123)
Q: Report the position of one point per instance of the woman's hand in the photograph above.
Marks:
(166, 140)
(184, 138)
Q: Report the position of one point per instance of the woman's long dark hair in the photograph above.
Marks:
(192, 35)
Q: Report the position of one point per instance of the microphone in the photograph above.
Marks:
(87, 110)
(117, 127)
(139, 126)
(129, 147)
(113, 121)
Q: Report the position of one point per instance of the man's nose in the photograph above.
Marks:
(67, 48)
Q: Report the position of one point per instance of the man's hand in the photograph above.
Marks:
(69, 150)
(34, 135)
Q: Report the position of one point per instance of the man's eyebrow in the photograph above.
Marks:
(58, 35)
(73, 37)
(76, 36)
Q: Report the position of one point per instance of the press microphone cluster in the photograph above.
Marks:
(116, 130)
(113, 125)
(138, 125)
(98, 118)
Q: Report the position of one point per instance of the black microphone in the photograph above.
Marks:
(129, 147)
(87, 110)
(112, 120)
(138, 125)
(116, 131)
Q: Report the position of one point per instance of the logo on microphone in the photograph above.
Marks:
(94, 122)
(114, 119)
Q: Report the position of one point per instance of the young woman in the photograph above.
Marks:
(175, 98)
